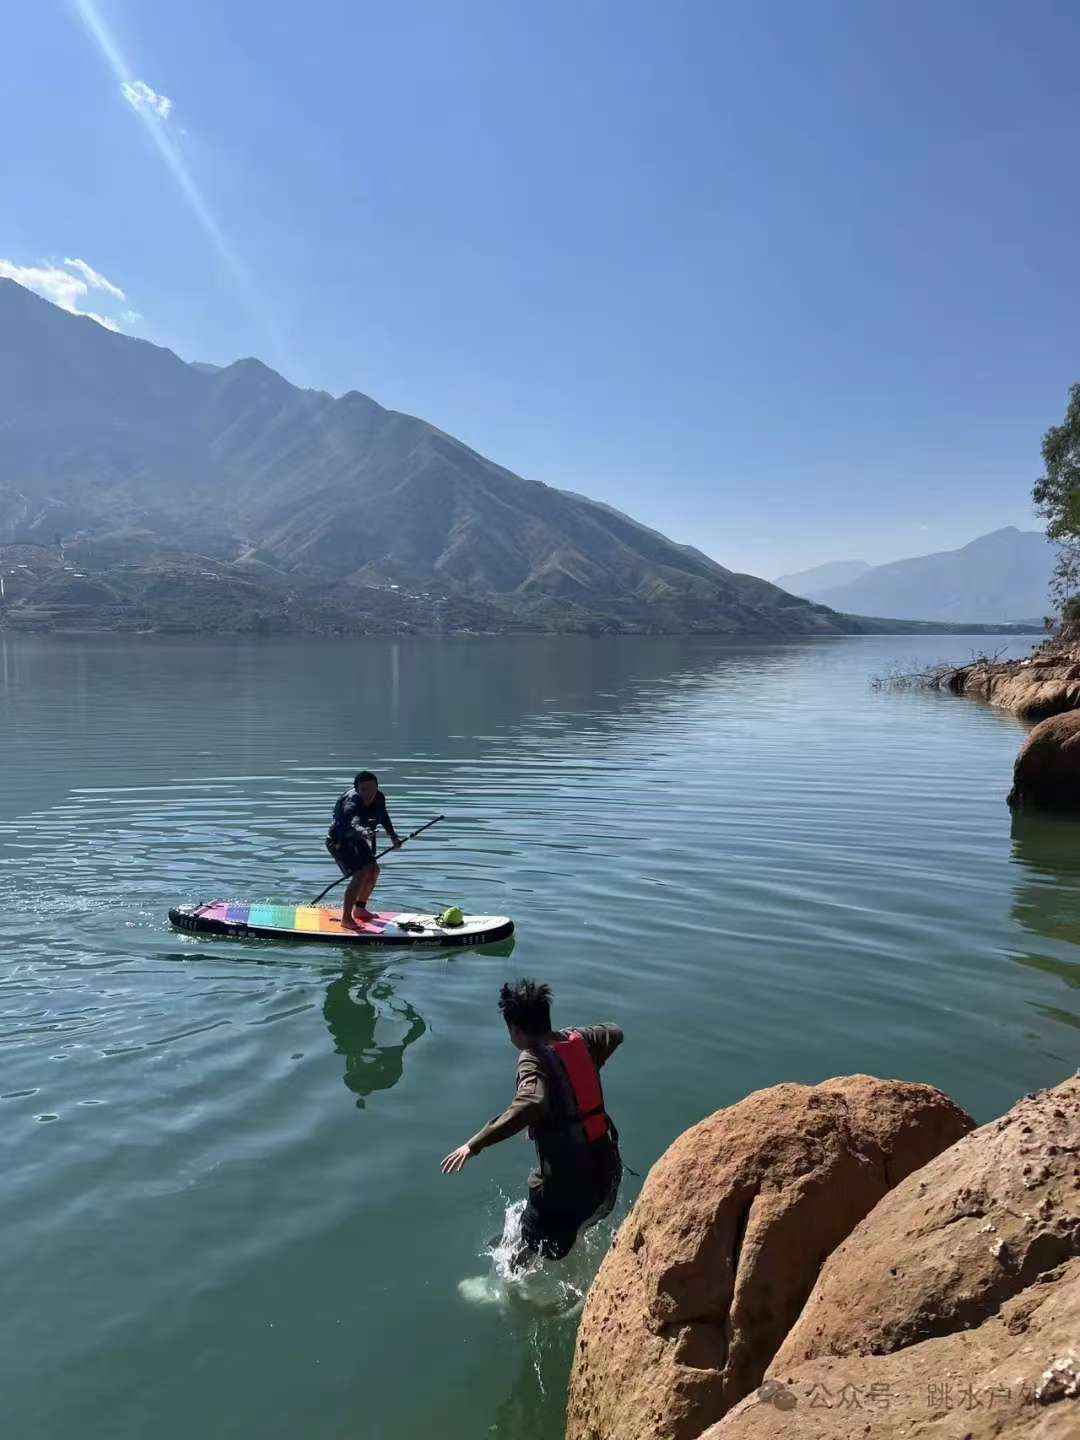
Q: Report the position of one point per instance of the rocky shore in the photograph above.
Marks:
(847, 1259)
(1046, 683)
(1044, 688)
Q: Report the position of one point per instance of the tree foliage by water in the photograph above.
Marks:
(1057, 498)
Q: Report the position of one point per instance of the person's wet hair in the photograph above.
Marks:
(527, 1005)
(364, 776)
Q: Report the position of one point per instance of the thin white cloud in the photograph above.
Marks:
(95, 279)
(141, 97)
(50, 281)
(65, 285)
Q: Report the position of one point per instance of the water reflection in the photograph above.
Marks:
(371, 1028)
(1046, 900)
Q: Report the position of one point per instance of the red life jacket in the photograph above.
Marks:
(584, 1078)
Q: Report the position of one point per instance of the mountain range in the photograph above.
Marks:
(1004, 576)
(139, 491)
(131, 457)
(822, 577)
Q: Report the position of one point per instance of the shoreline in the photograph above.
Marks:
(1043, 684)
(749, 637)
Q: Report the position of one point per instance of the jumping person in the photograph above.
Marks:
(560, 1099)
(351, 841)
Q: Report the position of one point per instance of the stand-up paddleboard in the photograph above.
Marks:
(314, 922)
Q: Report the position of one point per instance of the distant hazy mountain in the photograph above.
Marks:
(1003, 576)
(821, 577)
(120, 444)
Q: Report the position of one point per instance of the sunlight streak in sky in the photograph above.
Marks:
(155, 121)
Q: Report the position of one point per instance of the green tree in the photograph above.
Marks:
(1057, 499)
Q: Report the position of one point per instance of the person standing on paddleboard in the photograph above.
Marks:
(560, 1099)
(351, 841)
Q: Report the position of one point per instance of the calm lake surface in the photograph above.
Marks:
(223, 1210)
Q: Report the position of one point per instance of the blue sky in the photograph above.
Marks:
(791, 281)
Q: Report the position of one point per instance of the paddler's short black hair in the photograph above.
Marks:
(364, 775)
(527, 1005)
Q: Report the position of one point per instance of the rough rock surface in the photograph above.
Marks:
(944, 1249)
(724, 1244)
(1047, 683)
(1047, 771)
(1017, 1375)
(1032, 689)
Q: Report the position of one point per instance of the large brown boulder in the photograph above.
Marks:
(724, 1243)
(1047, 770)
(941, 1252)
(1016, 1375)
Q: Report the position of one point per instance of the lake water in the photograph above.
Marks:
(223, 1209)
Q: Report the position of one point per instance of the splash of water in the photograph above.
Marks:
(555, 1288)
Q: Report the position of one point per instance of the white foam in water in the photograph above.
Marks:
(552, 1287)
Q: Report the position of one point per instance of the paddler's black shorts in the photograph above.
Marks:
(355, 854)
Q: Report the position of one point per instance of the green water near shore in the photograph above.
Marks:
(220, 1162)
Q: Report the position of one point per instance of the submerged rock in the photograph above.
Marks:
(724, 1244)
(1047, 770)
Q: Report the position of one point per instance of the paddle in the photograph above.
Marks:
(379, 854)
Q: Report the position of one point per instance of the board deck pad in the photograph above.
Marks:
(316, 922)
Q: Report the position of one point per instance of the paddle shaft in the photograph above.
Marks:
(378, 854)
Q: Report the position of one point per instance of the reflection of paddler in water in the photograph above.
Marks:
(354, 1009)
(560, 1099)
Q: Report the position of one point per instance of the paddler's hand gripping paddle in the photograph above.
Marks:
(380, 853)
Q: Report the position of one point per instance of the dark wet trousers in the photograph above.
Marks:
(551, 1222)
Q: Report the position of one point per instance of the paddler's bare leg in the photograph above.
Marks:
(352, 897)
(358, 894)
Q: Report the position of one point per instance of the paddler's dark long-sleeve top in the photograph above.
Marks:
(530, 1105)
(354, 819)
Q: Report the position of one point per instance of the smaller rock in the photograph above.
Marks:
(952, 1278)
(1060, 1381)
(1014, 1377)
(1047, 771)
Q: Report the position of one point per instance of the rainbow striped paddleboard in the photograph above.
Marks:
(312, 922)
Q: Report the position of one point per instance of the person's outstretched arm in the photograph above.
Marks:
(526, 1107)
